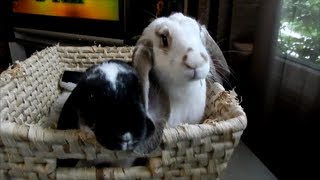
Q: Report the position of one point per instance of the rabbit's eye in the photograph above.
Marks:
(164, 40)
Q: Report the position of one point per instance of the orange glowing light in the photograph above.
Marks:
(90, 9)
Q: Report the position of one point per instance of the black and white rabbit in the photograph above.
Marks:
(108, 101)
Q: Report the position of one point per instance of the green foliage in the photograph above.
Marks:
(299, 35)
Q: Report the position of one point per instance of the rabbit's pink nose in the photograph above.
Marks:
(193, 59)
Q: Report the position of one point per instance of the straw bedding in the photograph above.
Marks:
(30, 145)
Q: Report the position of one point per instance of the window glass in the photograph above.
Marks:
(299, 33)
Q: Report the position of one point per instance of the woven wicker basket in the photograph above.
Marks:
(29, 148)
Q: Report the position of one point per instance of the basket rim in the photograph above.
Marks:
(170, 135)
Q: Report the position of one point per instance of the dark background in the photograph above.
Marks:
(4, 36)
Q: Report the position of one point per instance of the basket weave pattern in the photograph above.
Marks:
(29, 148)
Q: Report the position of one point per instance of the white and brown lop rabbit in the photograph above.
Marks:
(179, 54)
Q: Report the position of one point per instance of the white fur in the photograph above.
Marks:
(185, 87)
(188, 103)
(127, 138)
(112, 70)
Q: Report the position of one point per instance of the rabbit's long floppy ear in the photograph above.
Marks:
(159, 112)
(142, 59)
(156, 100)
(221, 68)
